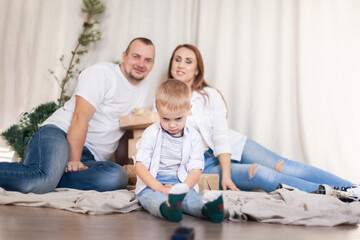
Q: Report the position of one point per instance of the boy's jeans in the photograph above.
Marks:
(152, 200)
(45, 159)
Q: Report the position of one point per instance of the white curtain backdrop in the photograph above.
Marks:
(288, 69)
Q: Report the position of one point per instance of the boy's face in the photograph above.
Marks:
(173, 121)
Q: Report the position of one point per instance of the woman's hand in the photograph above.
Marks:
(75, 166)
(227, 183)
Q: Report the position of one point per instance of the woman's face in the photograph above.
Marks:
(184, 66)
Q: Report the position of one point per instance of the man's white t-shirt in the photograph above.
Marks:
(104, 86)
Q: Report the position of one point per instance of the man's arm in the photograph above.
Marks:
(77, 133)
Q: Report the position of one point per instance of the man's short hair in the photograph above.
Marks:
(145, 41)
(173, 95)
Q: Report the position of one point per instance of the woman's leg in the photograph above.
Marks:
(255, 153)
(45, 159)
(254, 176)
(100, 176)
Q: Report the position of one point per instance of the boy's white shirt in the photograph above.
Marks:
(149, 150)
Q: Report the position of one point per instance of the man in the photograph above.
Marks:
(80, 137)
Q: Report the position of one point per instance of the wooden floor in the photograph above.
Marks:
(44, 223)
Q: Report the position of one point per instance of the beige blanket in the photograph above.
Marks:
(290, 207)
(282, 206)
(87, 202)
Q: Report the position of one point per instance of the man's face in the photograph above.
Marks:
(139, 61)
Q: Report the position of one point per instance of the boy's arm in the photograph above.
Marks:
(196, 161)
(193, 177)
(149, 180)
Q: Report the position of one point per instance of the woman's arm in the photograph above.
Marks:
(221, 140)
(225, 163)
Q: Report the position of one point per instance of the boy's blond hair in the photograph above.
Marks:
(173, 95)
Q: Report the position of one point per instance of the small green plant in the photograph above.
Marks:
(18, 135)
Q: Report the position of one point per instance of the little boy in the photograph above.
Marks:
(169, 161)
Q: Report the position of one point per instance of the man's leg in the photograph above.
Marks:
(45, 159)
(100, 176)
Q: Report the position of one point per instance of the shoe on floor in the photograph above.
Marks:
(353, 190)
(344, 194)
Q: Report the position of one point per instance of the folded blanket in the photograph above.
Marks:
(281, 206)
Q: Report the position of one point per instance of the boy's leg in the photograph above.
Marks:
(171, 209)
(151, 201)
(45, 159)
(193, 204)
(100, 176)
(213, 206)
(158, 204)
(209, 205)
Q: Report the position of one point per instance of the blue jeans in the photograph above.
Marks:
(45, 159)
(295, 174)
(151, 200)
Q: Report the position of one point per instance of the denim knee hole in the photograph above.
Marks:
(252, 170)
(279, 165)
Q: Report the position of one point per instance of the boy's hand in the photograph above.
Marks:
(165, 189)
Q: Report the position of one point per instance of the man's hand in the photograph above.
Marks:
(75, 166)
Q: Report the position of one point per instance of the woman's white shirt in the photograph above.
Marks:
(209, 116)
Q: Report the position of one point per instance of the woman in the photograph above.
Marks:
(240, 162)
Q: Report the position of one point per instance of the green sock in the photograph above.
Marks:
(214, 210)
(171, 209)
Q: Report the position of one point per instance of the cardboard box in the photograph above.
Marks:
(208, 182)
(140, 119)
(130, 169)
(132, 147)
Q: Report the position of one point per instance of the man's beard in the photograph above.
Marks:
(133, 77)
(136, 78)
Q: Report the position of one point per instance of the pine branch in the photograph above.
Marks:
(88, 36)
